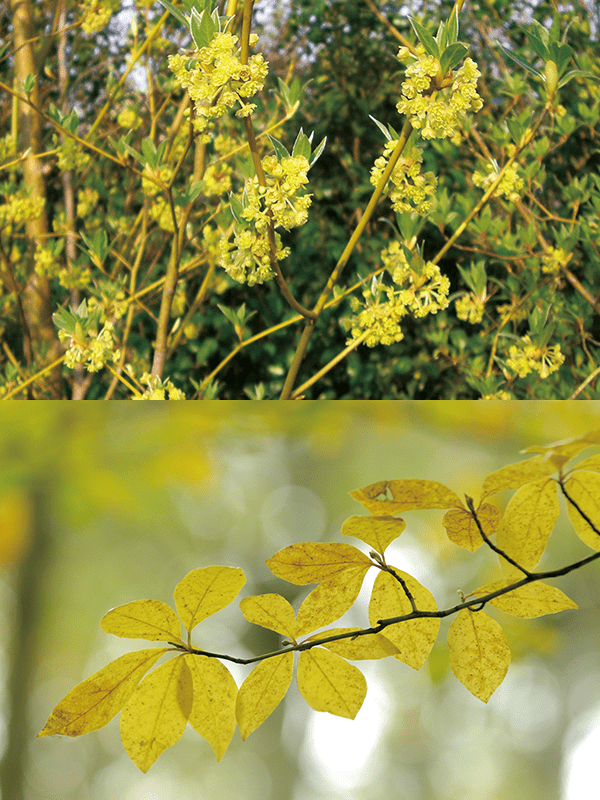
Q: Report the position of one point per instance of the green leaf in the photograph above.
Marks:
(317, 152)
(452, 26)
(382, 128)
(279, 147)
(563, 56)
(518, 61)
(202, 27)
(64, 321)
(177, 14)
(426, 39)
(301, 145)
(539, 46)
(236, 208)
(452, 56)
(149, 151)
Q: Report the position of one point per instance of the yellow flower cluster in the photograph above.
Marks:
(46, 264)
(92, 352)
(129, 119)
(163, 174)
(157, 389)
(71, 156)
(248, 259)
(285, 179)
(470, 308)
(87, 200)
(415, 293)
(437, 117)
(112, 301)
(220, 80)
(20, 209)
(161, 212)
(527, 358)
(510, 186)
(97, 13)
(217, 179)
(553, 260)
(8, 149)
(412, 189)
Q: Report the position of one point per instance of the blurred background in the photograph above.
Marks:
(117, 502)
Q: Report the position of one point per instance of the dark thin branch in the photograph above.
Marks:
(475, 604)
(402, 582)
(576, 507)
(471, 507)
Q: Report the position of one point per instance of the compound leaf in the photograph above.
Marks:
(414, 638)
(205, 591)
(528, 521)
(377, 532)
(262, 691)
(156, 715)
(462, 528)
(386, 498)
(271, 611)
(330, 599)
(213, 707)
(312, 562)
(584, 487)
(529, 601)
(143, 619)
(94, 702)
(479, 652)
(369, 646)
(513, 476)
(328, 683)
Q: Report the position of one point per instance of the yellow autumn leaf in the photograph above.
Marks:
(94, 702)
(565, 450)
(213, 707)
(311, 562)
(385, 498)
(479, 652)
(369, 646)
(513, 476)
(205, 591)
(462, 528)
(156, 714)
(143, 619)
(330, 599)
(584, 487)
(528, 521)
(529, 601)
(377, 532)
(328, 683)
(262, 691)
(592, 463)
(414, 638)
(271, 611)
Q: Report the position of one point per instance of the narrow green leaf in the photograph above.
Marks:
(280, 149)
(301, 145)
(381, 127)
(452, 26)
(426, 39)
(452, 56)
(539, 46)
(318, 150)
(518, 61)
(176, 13)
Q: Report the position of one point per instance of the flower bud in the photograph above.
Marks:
(551, 75)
